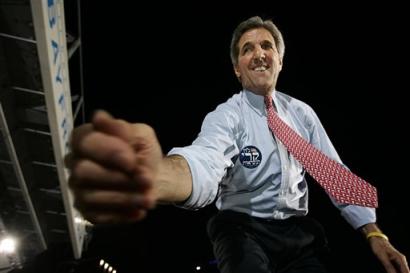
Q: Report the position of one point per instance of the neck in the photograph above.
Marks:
(262, 92)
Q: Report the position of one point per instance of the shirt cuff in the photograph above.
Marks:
(203, 193)
(358, 216)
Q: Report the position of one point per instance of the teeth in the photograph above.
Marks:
(260, 69)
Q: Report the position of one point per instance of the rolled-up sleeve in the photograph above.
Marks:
(206, 172)
(358, 216)
(209, 156)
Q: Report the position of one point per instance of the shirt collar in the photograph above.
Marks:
(257, 102)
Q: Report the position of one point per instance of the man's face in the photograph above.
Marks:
(259, 62)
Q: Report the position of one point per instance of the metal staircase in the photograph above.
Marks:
(41, 100)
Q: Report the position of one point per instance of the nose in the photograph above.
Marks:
(259, 54)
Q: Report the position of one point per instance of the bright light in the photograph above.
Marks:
(7, 245)
(110, 269)
(106, 266)
(115, 271)
(102, 262)
(81, 221)
(198, 268)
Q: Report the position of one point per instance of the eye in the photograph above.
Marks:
(267, 45)
(245, 50)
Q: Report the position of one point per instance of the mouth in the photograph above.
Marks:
(261, 68)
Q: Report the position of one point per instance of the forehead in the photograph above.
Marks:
(256, 35)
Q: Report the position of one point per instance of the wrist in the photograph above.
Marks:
(376, 234)
(372, 230)
(370, 227)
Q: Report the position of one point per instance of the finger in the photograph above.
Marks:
(137, 215)
(79, 132)
(113, 217)
(89, 174)
(104, 122)
(402, 263)
(69, 160)
(139, 135)
(107, 150)
(144, 176)
(388, 265)
(88, 200)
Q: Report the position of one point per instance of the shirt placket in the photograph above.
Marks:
(284, 160)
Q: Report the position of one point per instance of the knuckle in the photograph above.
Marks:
(80, 170)
(123, 122)
(144, 129)
(79, 132)
(83, 144)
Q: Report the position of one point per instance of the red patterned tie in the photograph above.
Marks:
(339, 182)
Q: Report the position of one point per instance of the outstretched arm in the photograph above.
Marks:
(392, 260)
(175, 181)
(118, 171)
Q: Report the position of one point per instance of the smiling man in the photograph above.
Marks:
(251, 156)
(259, 61)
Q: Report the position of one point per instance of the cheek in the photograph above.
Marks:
(276, 61)
(244, 61)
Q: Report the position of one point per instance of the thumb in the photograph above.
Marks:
(104, 122)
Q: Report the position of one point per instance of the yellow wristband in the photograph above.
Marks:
(376, 234)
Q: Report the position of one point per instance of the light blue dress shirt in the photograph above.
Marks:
(236, 159)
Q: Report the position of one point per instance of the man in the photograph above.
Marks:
(118, 171)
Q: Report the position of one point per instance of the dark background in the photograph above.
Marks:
(168, 65)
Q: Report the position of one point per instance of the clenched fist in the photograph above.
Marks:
(114, 165)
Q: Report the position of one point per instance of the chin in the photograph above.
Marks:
(263, 88)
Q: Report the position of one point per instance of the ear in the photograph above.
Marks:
(280, 64)
(237, 73)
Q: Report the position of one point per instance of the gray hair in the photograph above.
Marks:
(252, 23)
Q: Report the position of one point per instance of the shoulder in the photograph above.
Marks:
(231, 107)
(227, 113)
(303, 110)
(233, 104)
(290, 101)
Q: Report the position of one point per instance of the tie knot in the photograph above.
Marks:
(268, 102)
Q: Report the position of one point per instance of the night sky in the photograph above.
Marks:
(169, 65)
